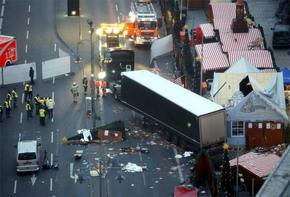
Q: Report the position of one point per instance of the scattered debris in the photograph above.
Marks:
(134, 150)
(78, 154)
(187, 154)
(178, 156)
(132, 167)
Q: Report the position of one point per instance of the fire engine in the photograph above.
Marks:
(142, 23)
(8, 53)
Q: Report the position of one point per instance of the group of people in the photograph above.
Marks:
(98, 84)
(11, 99)
(43, 106)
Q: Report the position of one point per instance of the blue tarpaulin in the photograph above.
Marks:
(286, 76)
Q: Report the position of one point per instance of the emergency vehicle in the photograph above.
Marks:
(8, 52)
(111, 36)
(142, 23)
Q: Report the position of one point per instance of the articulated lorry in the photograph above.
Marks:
(189, 120)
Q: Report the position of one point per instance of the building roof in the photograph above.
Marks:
(259, 164)
(240, 41)
(212, 57)
(182, 97)
(242, 66)
(207, 30)
(259, 58)
(278, 182)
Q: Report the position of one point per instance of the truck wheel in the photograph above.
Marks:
(8, 63)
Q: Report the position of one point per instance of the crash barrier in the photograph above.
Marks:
(56, 67)
(16, 73)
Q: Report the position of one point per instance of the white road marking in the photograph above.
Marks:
(3, 2)
(53, 80)
(52, 120)
(181, 178)
(21, 117)
(33, 179)
(29, 8)
(118, 19)
(116, 7)
(19, 136)
(27, 34)
(2, 10)
(140, 156)
(54, 47)
(51, 159)
(15, 187)
(71, 168)
(52, 95)
(50, 187)
(25, 61)
(28, 20)
(144, 180)
(51, 137)
(1, 20)
(22, 100)
(26, 47)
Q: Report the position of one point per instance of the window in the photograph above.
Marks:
(237, 128)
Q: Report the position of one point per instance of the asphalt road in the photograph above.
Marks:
(33, 24)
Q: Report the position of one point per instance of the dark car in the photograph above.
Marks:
(281, 36)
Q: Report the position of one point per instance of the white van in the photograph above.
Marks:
(27, 159)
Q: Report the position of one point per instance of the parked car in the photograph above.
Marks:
(28, 156)
(281, 36)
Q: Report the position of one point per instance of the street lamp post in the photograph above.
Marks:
(92, 75)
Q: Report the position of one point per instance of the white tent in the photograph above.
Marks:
(242, 66)
(161, 47)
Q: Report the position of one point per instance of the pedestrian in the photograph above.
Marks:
(74, 91)
(50, 104)
(98, 87)
(30, 92)
(42, 116)
(31, 75)
(28, 109)
(1, 112)
(7, 109)
(37, 104)
(15, 97)
(26, 89)
(85, 84)
(9, 96)
(41, 101)
(104, 86)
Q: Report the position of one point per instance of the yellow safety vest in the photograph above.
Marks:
(30, 88)
(26, 87)
(42, 113)
(14, 93)
(28, 107)
(41, 101)
(6, 104)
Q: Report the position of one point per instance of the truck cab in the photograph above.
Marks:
(122, 60)
(281, 36)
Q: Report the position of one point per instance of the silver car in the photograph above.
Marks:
(27, 159)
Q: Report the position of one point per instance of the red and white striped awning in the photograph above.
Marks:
(259, 58)
(207, 30)
(240, 41)
(223, 25)
(268, 70)
(212, 57)
(223, 10)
